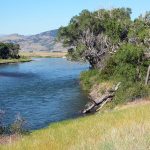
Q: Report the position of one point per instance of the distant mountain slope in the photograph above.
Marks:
(44, 41)
(1, 35)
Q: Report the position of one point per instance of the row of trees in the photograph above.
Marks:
(95, 36)
(9, 50)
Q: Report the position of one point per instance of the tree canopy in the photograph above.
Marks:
(94, 36)
(9, 50)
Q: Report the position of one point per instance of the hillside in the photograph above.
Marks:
(123, 128)
(44, 41)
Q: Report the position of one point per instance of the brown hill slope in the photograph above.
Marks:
(44, 41)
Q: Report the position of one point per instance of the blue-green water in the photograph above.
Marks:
(42, 91)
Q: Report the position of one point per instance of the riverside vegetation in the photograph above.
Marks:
(116, 48)
(9, 53)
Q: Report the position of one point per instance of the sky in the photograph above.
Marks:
(34, 16)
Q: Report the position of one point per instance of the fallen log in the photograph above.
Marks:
(98, 103)
(89, 106)
(100, 106)
(103, 98)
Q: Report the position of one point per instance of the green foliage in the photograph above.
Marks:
(9, 50)
(129, 53)
(83, 32)
(74, 56)
(92, 35)
(140, 29)
(89, 78)
(81, 29)
(130, 92)
(4, 51)
(127, 66)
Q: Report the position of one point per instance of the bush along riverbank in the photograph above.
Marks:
(127, 66)
(9, 53)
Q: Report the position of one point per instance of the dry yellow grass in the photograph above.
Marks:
(43, 54)
(120, 129)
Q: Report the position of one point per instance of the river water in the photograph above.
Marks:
(42, 91)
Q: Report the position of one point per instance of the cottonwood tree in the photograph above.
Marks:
(92, 36)
(139, 33)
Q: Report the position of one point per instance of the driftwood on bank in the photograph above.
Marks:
(100, 102)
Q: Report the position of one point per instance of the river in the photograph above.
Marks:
(42, 91)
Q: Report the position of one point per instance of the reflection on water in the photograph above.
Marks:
(42, 91)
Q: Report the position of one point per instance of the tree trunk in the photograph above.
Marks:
(148, 76)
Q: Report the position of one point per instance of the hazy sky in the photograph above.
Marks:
(35, 16)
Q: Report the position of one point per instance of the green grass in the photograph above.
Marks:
(121, 129)
(7, 61)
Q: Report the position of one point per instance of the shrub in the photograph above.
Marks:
(127, 66)
(89, 78)
(9, 50)
(130, 92)
(18, 127)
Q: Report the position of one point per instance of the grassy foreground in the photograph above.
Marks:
(44, 54)
(7, 61)
(125, 128)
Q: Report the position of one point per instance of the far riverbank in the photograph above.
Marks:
(20, 60)
(26, 56)
(44, 54)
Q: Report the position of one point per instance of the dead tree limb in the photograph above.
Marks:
(147, 76)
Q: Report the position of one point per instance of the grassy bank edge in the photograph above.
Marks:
(20, 60)
(124, 127)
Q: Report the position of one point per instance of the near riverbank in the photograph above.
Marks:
(121, 128)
